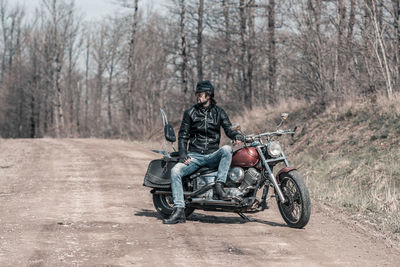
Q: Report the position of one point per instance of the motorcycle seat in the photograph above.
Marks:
(174, 154)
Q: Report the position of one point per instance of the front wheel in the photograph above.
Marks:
(164, 206)
(296, 210)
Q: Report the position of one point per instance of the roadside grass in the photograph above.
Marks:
(362, 184)
(348, 154)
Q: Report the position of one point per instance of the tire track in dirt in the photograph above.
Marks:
(29, 185)
(58, 241)
(92, 230)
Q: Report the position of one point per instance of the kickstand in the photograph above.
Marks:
(245, 217)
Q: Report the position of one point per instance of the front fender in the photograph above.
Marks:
(283, 170)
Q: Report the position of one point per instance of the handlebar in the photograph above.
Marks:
(250, 138)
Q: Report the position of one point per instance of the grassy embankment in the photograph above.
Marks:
(348, 155)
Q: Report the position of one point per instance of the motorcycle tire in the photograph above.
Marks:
(164, 206)
(296, 211)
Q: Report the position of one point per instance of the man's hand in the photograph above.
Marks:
(238, 139)
(187, 161)
(237, 142)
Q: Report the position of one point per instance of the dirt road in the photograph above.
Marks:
(76, 202)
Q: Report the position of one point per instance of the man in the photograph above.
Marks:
(201, 127)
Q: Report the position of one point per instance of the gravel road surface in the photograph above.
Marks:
(80, 202)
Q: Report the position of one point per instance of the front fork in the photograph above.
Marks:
(271, 176)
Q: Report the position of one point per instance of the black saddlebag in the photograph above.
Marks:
(158, 174)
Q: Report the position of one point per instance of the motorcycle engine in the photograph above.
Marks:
(251, 177)
(247, 180)
(239, 182)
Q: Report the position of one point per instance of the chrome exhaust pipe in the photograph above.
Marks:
(187, 194)
(203, 201)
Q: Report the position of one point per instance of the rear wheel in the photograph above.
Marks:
(296, 210)
(165, 205)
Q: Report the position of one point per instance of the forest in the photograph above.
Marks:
(64, 76)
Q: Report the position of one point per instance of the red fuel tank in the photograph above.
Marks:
(245, 157)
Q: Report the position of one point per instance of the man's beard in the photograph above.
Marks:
(199, 102)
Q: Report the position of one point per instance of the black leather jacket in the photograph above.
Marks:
(201, 126)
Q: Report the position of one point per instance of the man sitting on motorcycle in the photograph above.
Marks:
(201, 128)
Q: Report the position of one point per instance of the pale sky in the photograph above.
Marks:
(96, 9)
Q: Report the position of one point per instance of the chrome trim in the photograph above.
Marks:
(275, 159)
(285, 159)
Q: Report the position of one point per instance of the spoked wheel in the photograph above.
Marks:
(296, 210)
(165, 205)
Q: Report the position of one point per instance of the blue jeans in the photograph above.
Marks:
(221, 158)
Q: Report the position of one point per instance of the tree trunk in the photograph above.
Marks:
(379, 45)
(183, 47)
(58, 64)
(4, 27)
(78, 108)
(131, 67)
(271, 51)
(199, 57)
(366, 47)
(243, 46)
(352, 18)
(250, 53)
(396, 25)
(340, 51)
(109, 93)
(228, 74)
(87, 131)
(101, 63)
(382, 58)
(70, 123)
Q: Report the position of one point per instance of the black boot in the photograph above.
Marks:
(177, 216)
(219, 188)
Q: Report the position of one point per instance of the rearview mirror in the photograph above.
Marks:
(169, 133)
(284, 116)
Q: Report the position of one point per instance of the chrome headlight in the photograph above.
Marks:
(274, 149)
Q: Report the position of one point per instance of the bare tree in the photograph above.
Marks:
(115, 56)
(271, 50)
(251, 46)
(131, 65)
(199, 57)
(99, 56)
(57, 62)
(243, 45)
(86, 101)
(73, 93)
(339, 62)
(227, 50)
(396, 25)
(183, 48)
(380, 48)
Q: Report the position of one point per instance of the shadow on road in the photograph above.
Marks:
(198, 217)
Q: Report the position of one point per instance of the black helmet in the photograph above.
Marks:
(204, 86)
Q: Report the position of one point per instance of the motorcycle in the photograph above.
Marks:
(251, 172)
